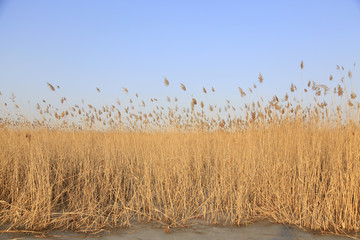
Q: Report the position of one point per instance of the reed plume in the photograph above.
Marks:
(50, 86)
(166, 82)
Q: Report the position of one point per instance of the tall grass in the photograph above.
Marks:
(88, 168)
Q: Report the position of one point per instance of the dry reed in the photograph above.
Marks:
(89, 168)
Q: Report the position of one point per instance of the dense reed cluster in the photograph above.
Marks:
(292, 159)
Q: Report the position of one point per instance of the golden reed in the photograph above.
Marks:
(85, 167)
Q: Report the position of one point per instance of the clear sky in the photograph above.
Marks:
(84, 44)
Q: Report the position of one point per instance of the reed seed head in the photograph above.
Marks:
(166, 82)
(353, 95)
(242, 93)
(50, 86)
(183, 87)
(260, 78)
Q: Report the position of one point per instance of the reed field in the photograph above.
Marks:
(292, 159)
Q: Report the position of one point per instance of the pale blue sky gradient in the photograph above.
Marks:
(81, 45)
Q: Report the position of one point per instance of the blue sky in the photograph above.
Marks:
(81, 45)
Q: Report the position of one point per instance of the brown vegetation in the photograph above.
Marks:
(87, 168)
